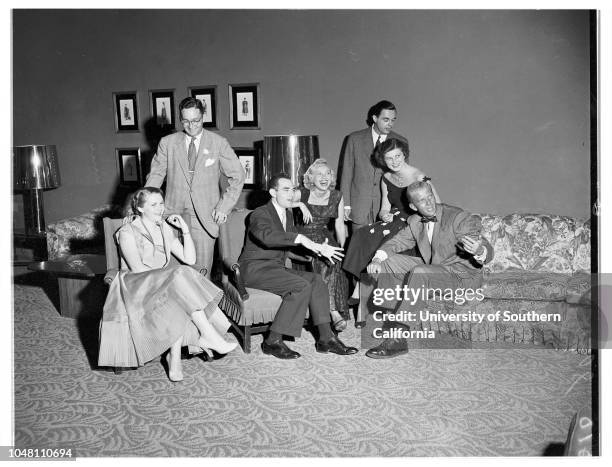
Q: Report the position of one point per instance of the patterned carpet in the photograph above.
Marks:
(431, 402)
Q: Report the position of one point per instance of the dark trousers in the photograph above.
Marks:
(300, 291)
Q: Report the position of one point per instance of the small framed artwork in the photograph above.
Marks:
(162, 107)
(244, 106)
(251, 161)
(126, 111)
(130, 167)
(207, 95)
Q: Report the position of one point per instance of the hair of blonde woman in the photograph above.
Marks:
(308, 176)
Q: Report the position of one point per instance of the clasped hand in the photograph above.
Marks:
(472, 245)
(177, 221)
(218, 216)
(374, 267)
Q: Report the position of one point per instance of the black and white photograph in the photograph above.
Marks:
(244, 106)
(207, 95)
(404, 258)
(162, 107)
(250, 159)
(126, 111)
(130, 167)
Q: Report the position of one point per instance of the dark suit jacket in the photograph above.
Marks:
(266, 239)
(360, 184)
(453, 223)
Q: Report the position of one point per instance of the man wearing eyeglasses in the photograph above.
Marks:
(192, 162)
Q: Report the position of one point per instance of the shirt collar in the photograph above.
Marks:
(197, 137)
(376, 135)
(282, 212)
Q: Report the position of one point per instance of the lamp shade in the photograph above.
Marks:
(35, 167)
(289, 154)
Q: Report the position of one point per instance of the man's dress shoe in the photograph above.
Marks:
(360, 324)
(335, 345)
(352, 301)
(279, 350)
(389, 348)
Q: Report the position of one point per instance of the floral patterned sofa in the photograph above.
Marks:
(80, 234)
(542, 264)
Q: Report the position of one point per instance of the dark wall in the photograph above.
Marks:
(495, 104)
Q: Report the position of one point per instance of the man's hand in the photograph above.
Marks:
(472, 245)
(219, 217)
(347, 213)
(330, 252)
(375, 266)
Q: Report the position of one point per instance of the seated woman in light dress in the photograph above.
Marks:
(152, 306)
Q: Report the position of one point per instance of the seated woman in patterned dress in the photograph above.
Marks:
(151, 306)
(392, 157)
(324, 222)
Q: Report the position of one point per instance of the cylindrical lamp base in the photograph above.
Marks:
(34, 213)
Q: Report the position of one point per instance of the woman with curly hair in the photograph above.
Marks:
(324, 222)
(392, 157)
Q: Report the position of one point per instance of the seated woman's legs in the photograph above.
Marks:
(173, 358)
(209, 336)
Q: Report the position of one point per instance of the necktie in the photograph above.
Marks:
(284, 219)
(377, 143)
(191, 158)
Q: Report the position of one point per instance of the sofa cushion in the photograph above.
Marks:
(259, 308)
(573, 332)
(80, 234)
(579, 288)
(526, 285)
(582, 247)
(531, 242)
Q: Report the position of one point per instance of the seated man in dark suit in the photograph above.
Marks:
(451, 250)
(270, 237)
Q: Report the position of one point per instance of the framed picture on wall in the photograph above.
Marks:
(244, 106)
(207, 95)
(130, 167)
(162, 107)
(126, 111)
(251, 160)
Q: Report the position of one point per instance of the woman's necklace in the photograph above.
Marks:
(319, 198)
(401, 180)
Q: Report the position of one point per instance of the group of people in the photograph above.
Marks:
(157, 305)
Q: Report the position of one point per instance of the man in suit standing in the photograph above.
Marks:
(451, 251)
(360, 183)
(270, 237)
(192, 162)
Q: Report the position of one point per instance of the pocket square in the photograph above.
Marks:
(209, 162)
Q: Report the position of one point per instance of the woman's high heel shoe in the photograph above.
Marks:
(217, 344)
(173, 375)
(338, 322)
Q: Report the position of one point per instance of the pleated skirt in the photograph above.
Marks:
(146, 312)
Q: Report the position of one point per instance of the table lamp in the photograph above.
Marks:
(35, 169)
(291, 154)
